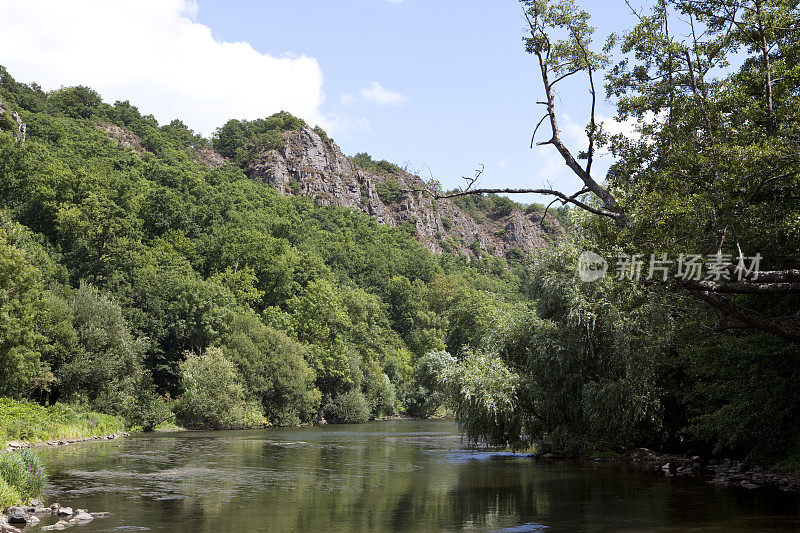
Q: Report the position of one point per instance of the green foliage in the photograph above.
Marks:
(480, 205)
(348, 408)
(364, 161)
(214, 397)
(274, 370)
(27, 421)
(145, 410)
(75, 102)
(22, 476)
(389, 191)
(579, 370)
(379, 391)
(9, 495)
(106, 248)
(484, 396)
(23, 311)
(426, 394)
(322, 133)
(107, 368)
(242, 141)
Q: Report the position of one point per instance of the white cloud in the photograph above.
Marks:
(153, 53)
(376, 94)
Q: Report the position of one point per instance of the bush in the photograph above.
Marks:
(214, 396)
(364, 161)
(8, 494)
(389, 191)
(22, 474)
(379, 391)
(348, 408)
(242, 140)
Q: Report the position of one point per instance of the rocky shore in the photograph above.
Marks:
(18, 445)
(726, 473)
(15, 519)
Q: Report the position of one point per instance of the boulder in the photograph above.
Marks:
(64, 511)
(81, 517)
(5, 527)
(16, 515)
(58, 526)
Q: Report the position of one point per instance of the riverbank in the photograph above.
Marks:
(24, 424)
(719, 472)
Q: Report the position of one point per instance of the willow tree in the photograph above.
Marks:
(710, 169)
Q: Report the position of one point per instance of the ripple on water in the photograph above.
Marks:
(467, 456)
(530, 527)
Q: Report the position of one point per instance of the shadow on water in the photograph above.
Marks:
(383, 476)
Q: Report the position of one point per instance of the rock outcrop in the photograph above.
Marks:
(19, 130)
(309, 165)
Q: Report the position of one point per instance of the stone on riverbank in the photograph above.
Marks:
(16, 515)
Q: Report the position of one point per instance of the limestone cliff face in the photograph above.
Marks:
(311, 166)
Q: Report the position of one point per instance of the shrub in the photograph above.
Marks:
(23, 475)
(348, 408)
(364, 161)
(425, 395)
(31, 422)
(8, 494)
(242, 140)
(389, 191)
(322, 133)
(447, 223)
(214, 396)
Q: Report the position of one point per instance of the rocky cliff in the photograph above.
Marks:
(313, 166)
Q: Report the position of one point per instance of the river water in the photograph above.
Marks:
(381, 476)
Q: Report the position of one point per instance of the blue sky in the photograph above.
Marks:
(441, 85)
(469, 88)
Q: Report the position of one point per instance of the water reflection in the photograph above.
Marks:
(400, 476)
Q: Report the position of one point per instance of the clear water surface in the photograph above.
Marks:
(382, 476)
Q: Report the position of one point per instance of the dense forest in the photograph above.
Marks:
(136, 280)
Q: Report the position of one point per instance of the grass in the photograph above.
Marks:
(30, 422)
(22, 477)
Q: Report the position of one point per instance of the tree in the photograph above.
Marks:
(273, 369)
(716, 158)
(106, 370)
(214, 397)
(22, 309)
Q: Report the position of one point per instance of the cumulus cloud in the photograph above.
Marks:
(155, 54)
(376, 94)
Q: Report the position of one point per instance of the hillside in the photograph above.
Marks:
(308, 164)
(144, 268)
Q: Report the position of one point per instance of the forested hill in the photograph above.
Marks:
(138, 266)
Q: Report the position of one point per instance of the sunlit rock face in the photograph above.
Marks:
(309, 165)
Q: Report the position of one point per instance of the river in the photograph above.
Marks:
(381, 476)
